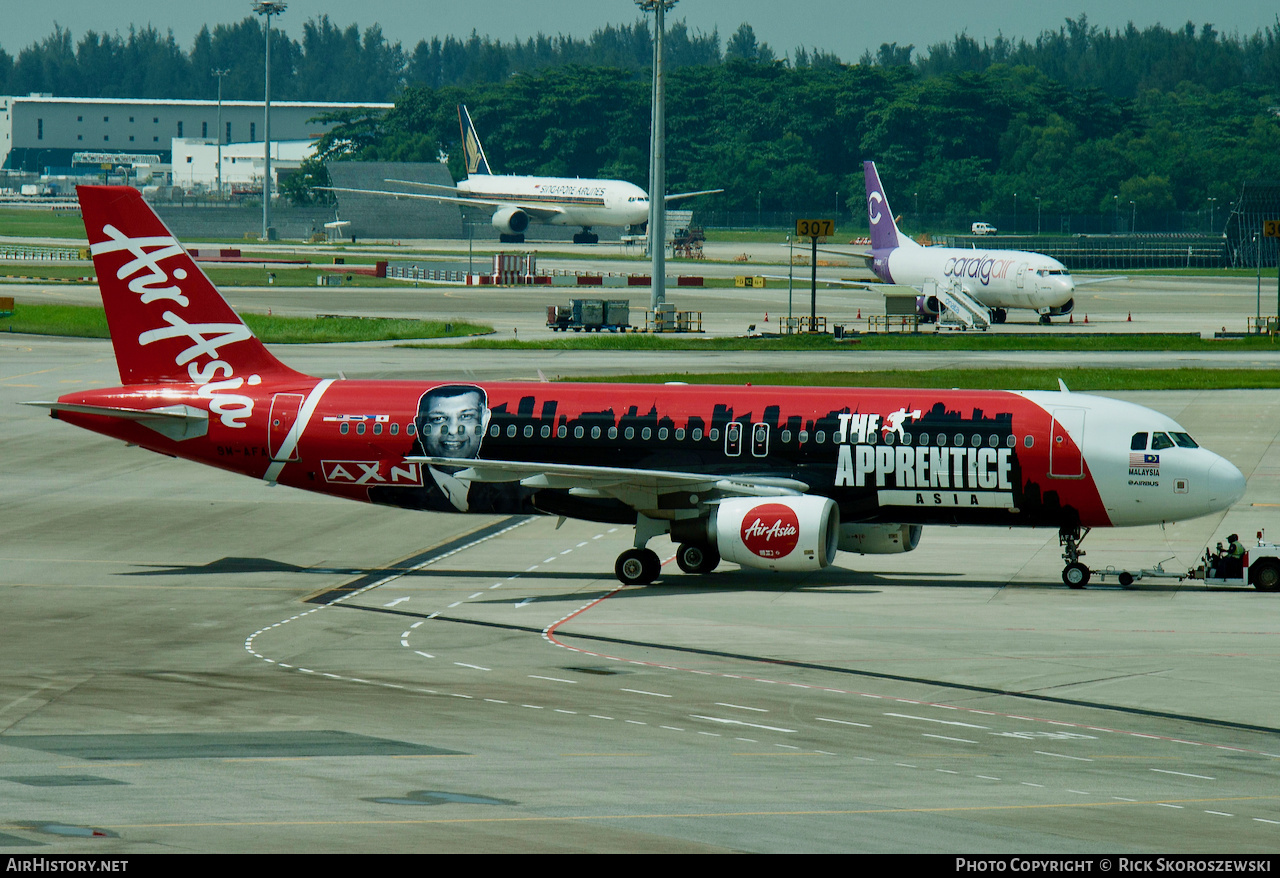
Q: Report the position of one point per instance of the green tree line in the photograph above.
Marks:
(331, 62)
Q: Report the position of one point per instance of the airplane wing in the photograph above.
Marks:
(855, 284)
(679, 195)
(865, 258)
(453, 189)
(539, 210)
(638, 488)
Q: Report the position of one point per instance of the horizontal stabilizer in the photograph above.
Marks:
(178, 422)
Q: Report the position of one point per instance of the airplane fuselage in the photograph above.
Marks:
(884, 456)
(574, 201)
(995, 278)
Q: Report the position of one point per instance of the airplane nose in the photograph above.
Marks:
(1226, 485)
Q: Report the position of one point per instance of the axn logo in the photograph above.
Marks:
(371, 472)
(771, 530)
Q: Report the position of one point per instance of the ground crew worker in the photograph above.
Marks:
(1235, 555)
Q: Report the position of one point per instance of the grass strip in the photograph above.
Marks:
(85, 321)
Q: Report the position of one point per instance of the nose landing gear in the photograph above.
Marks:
(1075, 574)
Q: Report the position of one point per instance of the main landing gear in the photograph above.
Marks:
(999, 315)
(1075, 574)
(637, 567)
(586, 236)
(641, 565)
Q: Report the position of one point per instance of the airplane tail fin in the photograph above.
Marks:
(472, 150)
(168, 322)
(884, 231)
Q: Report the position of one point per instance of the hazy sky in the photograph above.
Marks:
(840, 26)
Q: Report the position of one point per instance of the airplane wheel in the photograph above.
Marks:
(637, 567)
(1075, 575)
(1044, 318)
(695, 558)
(1265, 576)
(1125, 579)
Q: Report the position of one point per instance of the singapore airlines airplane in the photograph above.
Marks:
(774, 478)
(996, 280)
(517, 201)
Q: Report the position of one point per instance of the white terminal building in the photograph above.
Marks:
(42, 135)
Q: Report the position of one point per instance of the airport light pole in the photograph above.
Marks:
(267, 8)
(1133, 217)
(1037, 216)
(1212, 205)
(657, 162)
(218, 130)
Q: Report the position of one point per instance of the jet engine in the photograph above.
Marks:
(782, 533)
(928, 307)
(1065, 308)
(879, 539)
(511, 221)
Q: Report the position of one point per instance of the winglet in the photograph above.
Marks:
(472, 151)
(884, 231)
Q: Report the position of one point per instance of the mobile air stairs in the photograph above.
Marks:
(955, 306)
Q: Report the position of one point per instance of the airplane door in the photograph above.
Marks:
(284, 413)
(760, 440)
(1022, 275)
(733, 439)
(1066, 460)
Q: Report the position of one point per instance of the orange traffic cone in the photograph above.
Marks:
(1130, 320)
(1086, 318)
(859, 317)
(766, 317)
(1071, 319)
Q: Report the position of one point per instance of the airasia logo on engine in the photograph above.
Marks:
(771, 530)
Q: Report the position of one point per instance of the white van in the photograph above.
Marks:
(982, 229)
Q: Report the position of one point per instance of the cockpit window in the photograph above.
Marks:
(1160, 440)
(1183, 440)
(1138, 442)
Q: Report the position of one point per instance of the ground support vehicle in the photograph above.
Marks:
(1260, 567)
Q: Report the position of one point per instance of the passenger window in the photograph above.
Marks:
(1159, 441)
(1138, 442)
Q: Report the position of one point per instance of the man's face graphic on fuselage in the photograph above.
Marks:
(452, 424)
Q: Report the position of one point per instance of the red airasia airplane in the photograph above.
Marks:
(766, 477)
